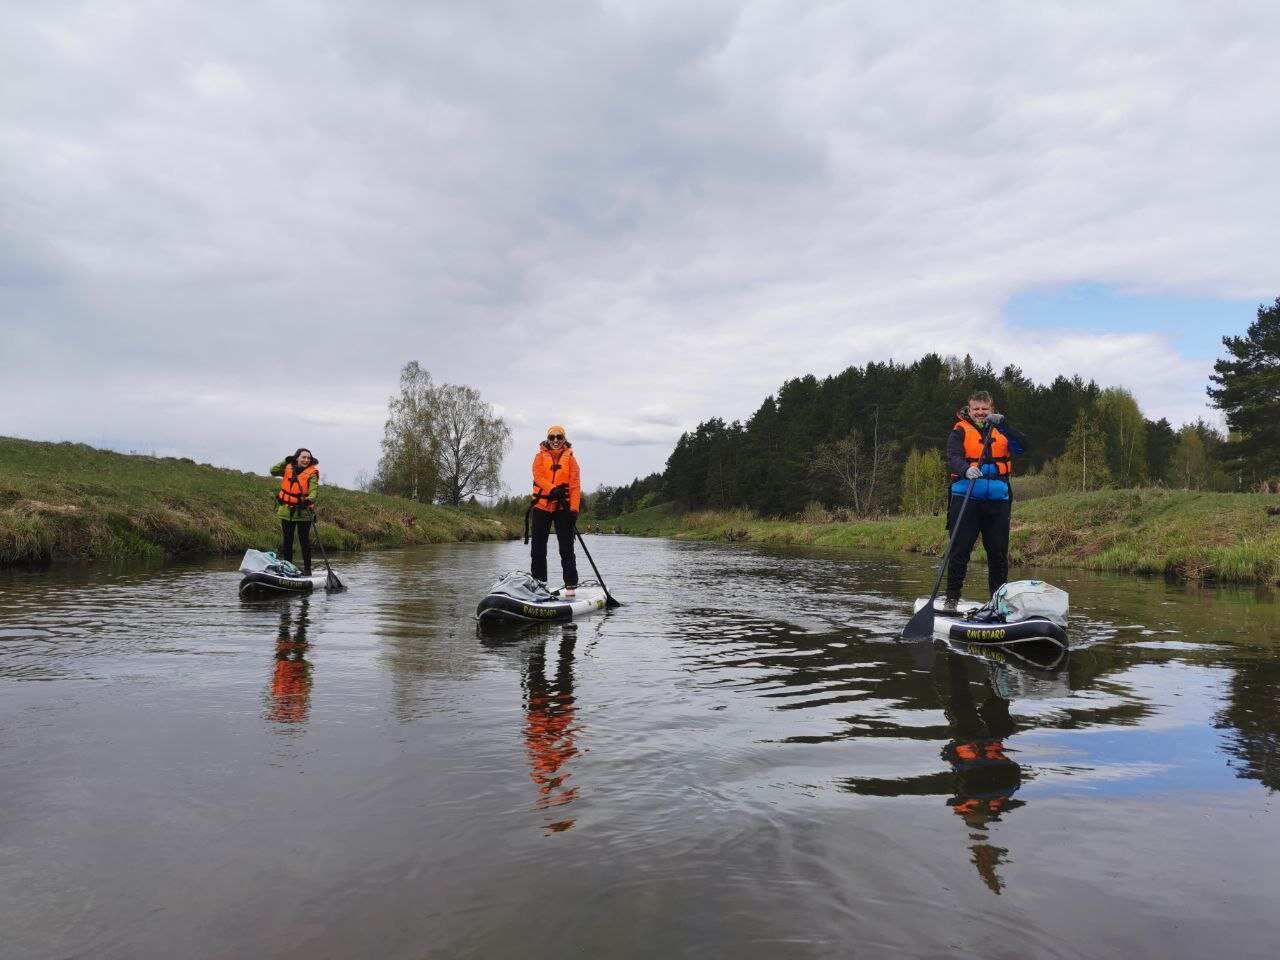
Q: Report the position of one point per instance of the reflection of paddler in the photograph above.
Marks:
(549, 724)
(291, 675)
(986, 778)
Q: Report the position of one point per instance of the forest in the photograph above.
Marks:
(868, 441)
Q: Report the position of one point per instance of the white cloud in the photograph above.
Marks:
(624, 217)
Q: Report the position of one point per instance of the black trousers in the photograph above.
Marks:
(990, 518)
(303, 528)
(540, 531)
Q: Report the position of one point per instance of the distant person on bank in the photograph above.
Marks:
(299, 479)
(980, 451)
(557, 496)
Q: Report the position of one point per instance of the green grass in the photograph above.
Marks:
(62, 501)
(1227, 537)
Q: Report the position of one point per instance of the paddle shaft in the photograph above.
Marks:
(920, 626)
(951, 542)
(609, 597)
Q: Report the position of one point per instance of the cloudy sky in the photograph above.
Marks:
(224, 227)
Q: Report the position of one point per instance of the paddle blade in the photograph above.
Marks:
(611, 602)
(333, 584)
(920, 626)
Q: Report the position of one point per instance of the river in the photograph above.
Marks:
(741, 762)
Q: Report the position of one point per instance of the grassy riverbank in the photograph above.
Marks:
(62, 501)
(1191, 536)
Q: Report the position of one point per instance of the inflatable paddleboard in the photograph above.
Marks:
(266, 575)
(955, 626)
(518, 598)
(264, 583)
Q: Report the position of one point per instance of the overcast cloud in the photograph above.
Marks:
(226, 226)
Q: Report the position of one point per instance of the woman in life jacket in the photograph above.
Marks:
(295, 503)
(290, 693)
(557, 497)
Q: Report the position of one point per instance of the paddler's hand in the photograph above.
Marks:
(973, 473)
(995, 419)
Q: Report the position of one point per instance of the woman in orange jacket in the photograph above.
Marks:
(557, 495)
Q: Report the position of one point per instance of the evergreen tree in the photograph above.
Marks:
(1161, 441)
(1248, 391)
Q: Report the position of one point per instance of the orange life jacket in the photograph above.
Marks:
(973, 452)
(295, 488)
(553, 468)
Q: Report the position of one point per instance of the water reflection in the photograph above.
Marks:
(289, 696)
(986, 778)
(550, 724)
(766, 764)
(1250, 717)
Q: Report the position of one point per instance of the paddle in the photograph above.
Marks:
(920, 626)
(331, 583)
(610, 600)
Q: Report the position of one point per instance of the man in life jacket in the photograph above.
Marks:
(557, 496)
(295, 503)
(980, 451)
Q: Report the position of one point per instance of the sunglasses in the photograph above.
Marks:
(555, 436)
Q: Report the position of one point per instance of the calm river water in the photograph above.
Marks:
(740, 762)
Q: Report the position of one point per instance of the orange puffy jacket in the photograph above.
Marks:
(552, 469)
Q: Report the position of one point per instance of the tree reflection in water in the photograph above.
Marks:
(550, 724)
(289, 699)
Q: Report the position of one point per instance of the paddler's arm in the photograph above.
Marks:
(278, 469)
(537, 493)
(575, 485)
(1017, 439)
(957, 462)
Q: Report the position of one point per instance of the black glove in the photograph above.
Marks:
(309, 504)
(560, 492)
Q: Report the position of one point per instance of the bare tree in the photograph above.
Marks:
(470, 442)
(856, 469)
(408, 466)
